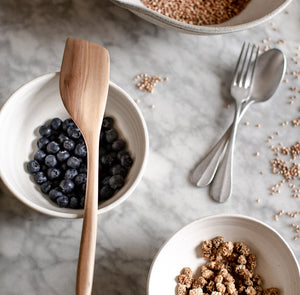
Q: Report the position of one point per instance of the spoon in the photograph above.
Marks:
(270, 69)
(84, 80)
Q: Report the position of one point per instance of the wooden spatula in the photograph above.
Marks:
(83, 84)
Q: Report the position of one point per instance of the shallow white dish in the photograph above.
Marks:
(35, 103)
(276, 262)
(256, 12)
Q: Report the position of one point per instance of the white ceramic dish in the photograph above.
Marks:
(35, 103)
(256, 12)
(276, 262)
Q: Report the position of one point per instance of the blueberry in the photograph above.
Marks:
(73, 132)
(74, 202)
(54, 194)
(102, 151)
(42, 142)
(69, 145)
(62, 155)
(73, 162)
(62, 137)
(62, 201)
(83, 168)
(107, 160)
(80, 179)
(45, 130)
(118, 170)
(39, 156)
(104, 181)
(116, 181)
(71, 173)
(53, 137)
(102, 136)
(83, 187)
(82, 201)
(33, 166)
(121, 154)
(126, 161)
(56, 124)
(44, 168)
(67, 123)
(50, 161)
(67, 185)
(40, 177)
(118, 145)
(105, 193)
(80, 150)
(53, 147)
(107, 123)
(64, 167)
(108, 147)
(46, 187)
(111, 135)
(53, 173)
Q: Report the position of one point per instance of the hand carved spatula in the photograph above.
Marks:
(83, 84)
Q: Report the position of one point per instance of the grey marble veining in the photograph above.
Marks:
(38, 254)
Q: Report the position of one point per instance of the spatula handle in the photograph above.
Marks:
(86, 260)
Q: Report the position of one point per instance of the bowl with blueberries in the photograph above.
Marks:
(44, 156)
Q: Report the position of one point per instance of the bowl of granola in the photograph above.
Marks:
(225, 254)
(205, 17)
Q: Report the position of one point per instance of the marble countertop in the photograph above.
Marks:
(38, 254)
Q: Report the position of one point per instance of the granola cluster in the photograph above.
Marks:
(229, 270)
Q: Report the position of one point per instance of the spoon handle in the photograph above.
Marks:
(205, 171)
(221, 186)
(86, 260)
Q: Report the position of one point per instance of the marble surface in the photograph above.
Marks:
(38, 254)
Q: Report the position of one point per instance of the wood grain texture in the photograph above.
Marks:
(84, 81)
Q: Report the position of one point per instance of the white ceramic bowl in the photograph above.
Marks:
(276, 262)
(35, 103)
(255, 13)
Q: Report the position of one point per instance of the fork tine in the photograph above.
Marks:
(245, 78)
(251, 67)
(241, 76)
(236, 71)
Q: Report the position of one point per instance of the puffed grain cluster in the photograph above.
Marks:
(229, 270)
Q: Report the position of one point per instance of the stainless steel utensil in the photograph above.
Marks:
(268, 74)
(240, 90)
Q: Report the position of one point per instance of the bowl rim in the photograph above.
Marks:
(217, 216)
(73, 215)
(195, 29)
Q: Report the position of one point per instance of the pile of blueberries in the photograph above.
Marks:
(60, 164)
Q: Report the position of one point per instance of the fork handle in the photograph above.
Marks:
(221, 186)
(205, 171)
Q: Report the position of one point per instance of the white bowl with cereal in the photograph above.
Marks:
(224, 253)
(191, 13)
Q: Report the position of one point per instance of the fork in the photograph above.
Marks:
(240, 90)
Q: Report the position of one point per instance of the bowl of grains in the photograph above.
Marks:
(205, 17)
(225, 254)
(43, 154)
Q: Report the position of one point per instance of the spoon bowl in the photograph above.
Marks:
(269, 72)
